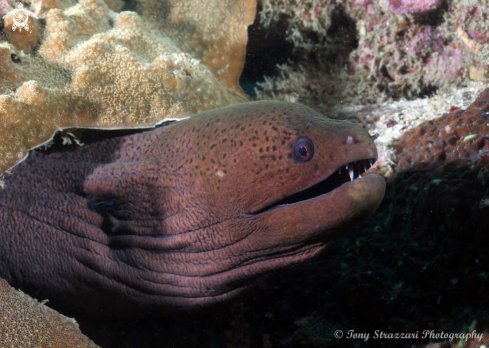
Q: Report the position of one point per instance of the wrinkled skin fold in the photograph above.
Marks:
(181, 216)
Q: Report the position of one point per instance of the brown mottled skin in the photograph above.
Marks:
(172, 218)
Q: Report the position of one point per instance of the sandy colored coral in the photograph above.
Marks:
(96, 68)
(24, 322)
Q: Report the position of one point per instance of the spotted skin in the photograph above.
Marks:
(175, 218)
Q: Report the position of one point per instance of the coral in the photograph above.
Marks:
(24, 322)
(95, 68)
(457, 135)
(472, 25)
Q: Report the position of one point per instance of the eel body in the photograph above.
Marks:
(186, 215)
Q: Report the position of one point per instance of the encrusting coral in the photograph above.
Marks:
(86, 65)
(24, 323)
(457, 135)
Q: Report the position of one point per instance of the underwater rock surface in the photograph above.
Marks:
(372, 51)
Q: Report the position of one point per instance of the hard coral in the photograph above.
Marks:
(458, 135)
(96, 68)
(24, 323)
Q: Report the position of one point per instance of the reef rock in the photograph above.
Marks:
(86, 65)
(24, 322)
(372, 51)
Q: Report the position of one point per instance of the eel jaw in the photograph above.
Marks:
(320, 219)
(342, 175)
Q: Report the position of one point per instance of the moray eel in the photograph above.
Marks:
(186, 215)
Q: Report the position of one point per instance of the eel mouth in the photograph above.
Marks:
(343, 175)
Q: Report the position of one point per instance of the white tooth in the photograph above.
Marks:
(365, 166)
(371, 163)
(346, 167)
(339, 171)
(350, 171)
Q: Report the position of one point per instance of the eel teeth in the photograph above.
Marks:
(357, 168)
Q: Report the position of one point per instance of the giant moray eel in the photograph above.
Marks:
(185, 215)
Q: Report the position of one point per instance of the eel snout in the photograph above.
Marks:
(342, 175)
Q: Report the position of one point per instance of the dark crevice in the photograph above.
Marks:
(435, 17)
(130, 5)
(266, 49)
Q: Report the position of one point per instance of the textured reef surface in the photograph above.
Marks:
(24, 322)
(460, 135)
(364, 51)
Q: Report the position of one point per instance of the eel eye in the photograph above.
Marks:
(303, 149)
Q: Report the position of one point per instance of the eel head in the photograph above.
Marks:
(261, 187)
(187, 215)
